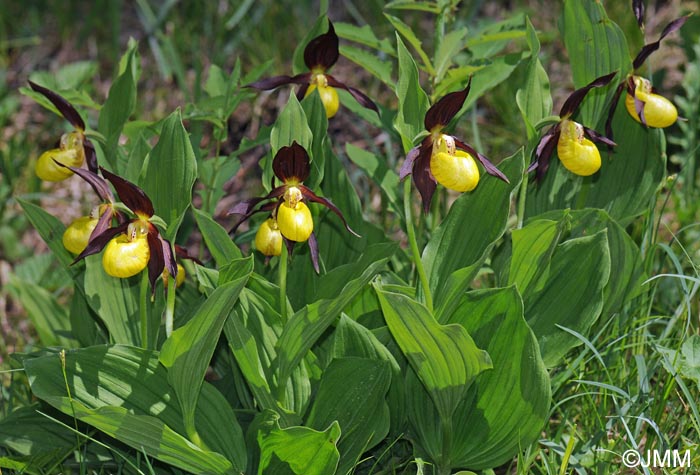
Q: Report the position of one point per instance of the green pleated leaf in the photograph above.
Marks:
(444, 357)
(478, 219)
(171, 172)
(376, 168)
(569, 299)
(318, 125)
(506, 407)
(413, 102)
(187, 353)
(352, 393)
(120, 103)
(49, 318)
(363, 35)
(626, 263)
(114, 300)
(51, 230)
(596, 46)
(369, 61)
(309, 323)
(124, 392)
(451, 44)
(291, 126)
(298, 451)
(406, 31)
(532, 250)
(218, 242)
(533, 98)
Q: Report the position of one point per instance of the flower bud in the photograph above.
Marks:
(77, 234)
(268, 239)
(124, 257)
(658, 111)
(578, 154)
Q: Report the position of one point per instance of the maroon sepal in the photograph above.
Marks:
(103, 224)
(291, 163)
(290, 246)
(90, 155)
(651, 47)
(638, 9)
(359, 96)
(322, 51)
(311, 196)
(64, 107)
(543, 152)
(97, 243)
(442, 112)
(156, 261)
(95, 181)
(411, 156)
(490, 168)
(424, 179)
(613, 106)
(183, 253)
(313, 251)
(131, 195)
(277, 81)
(574, 100)
(599, 138)
(250, 209)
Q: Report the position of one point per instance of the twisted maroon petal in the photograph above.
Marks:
(97, 243)
(651, 47)
(64, 107)
(490, 168)
(574, 100)
(359, 96)
(277, 81)
(311, 196)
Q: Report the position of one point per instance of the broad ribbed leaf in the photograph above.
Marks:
(444, 357)
(218, 242)
(370, 62)
(115, 300)
(51, 230)
(309, 323)
(291, 126)
(187, 353)
(376, 168)
(352, 393)
(49, 318)
(569, 299)
(474, 222)
(318, 125)
(596, 46)
(302, 450)
(170, 173)
(506, 408)
(120, 104)
(413, 102)
(124, 392)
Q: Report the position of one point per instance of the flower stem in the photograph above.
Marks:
(522, 198)
(410, 229)
(170, 307)
(283, 282)
(143, 310)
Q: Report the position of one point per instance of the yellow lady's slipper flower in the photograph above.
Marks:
(573, 141)
(319, 56)
(77, 234)
(179, 280)
(287, 202)
(127, 254)
(442, 158)
(74, 148)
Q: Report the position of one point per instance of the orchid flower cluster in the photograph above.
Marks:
(132, 242)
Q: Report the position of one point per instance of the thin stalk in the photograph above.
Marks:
(522, 199)
(143, 310)
(283, 282)
(170, 308)
(414, 245)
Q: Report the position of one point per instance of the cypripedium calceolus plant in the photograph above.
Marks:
(442, 158)
(319, 56)
(291, 218)
(83, 230)
(641, 100)
(573, 141)
(133, 244)
(73, 147)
